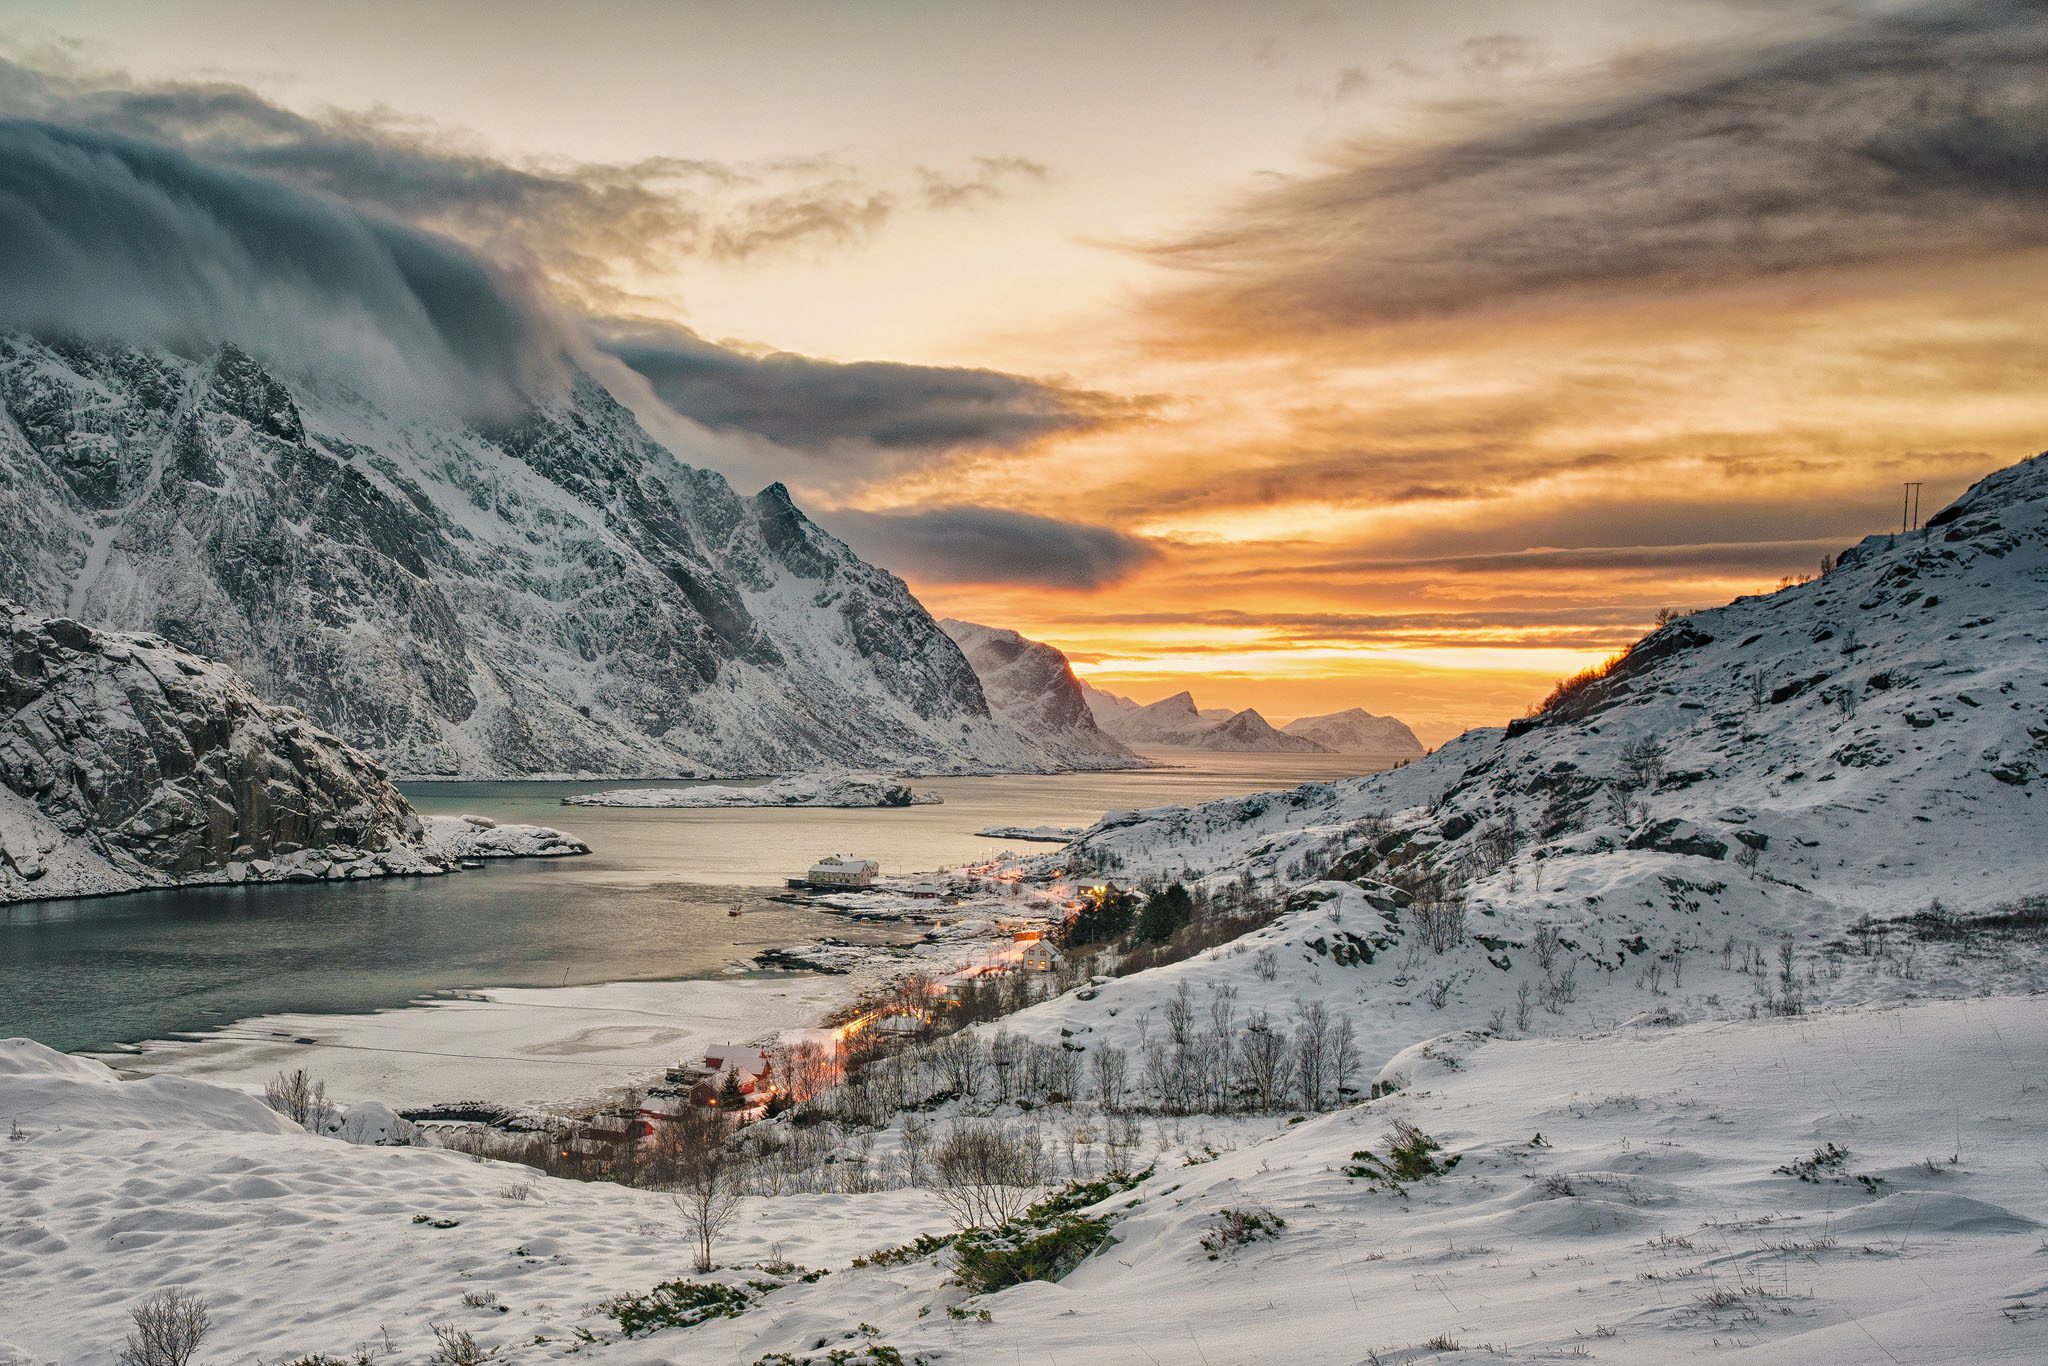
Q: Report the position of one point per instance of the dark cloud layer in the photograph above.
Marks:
(103, 235)
(193, 213)
(970, 544)
(815, 405)
(1886, 142)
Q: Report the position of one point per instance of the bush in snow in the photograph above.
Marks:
(1411, 1157)
(1237, 1228)
(455, 1347)
(300, 1099)
(986, 1172)
(168, 1330)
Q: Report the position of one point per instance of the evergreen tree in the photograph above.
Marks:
(1166, 910)
(731, 1099)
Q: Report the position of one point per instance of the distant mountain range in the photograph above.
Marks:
(1178, 721)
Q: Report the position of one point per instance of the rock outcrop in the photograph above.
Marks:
(125, 763)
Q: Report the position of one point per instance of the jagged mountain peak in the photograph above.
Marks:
(551, 591)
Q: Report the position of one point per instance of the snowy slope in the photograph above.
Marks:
(128, 763)
(1356, 731)
(552, 594)
(1874, 739)
(1031, 687)
(1619, 1197)
(1698, 835)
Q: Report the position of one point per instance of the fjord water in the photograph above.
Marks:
(650, 901)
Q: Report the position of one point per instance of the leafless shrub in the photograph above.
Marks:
(1112, 1069)
(456, 1347)
(985, 1172)
(168, 1330)
(1642, 763)
(300, 1099)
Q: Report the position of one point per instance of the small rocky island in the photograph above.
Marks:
(845, 790)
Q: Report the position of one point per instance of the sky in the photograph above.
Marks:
(1405, 354)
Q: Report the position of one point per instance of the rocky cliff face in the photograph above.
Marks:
(553, 594)
(125, 763)
(1032, 688)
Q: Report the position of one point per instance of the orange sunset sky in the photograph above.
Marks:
(1404, 354)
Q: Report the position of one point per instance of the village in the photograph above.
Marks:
(1004, 949)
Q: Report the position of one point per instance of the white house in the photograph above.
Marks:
(1038, 955)
(748, 1061)
(844, 870)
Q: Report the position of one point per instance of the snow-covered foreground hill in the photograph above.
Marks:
(552, 592)
(1865, 744)
(1844, 1188)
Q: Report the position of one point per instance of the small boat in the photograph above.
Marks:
(735, 911)
(472, 863)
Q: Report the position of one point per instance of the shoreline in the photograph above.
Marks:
(557, 1049)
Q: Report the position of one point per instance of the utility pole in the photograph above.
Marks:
(1909, 513)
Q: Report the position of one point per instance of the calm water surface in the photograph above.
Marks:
(649, 902)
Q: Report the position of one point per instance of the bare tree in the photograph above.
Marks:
(1112, 1072)
(1343, 1057)
(300, 1099)
(168, 1330)
(1120, 1139)
(1264, 1060)
(704, 1175)
(1312, 1039)
(986, 1173)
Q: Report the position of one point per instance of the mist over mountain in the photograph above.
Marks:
(382, 478)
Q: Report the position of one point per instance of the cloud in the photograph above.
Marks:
(993, 178)
(1494, 55)
(815, 406)
(588, 225)
(105, 236)
(986, 545)
(814, 217)
(1889, 141)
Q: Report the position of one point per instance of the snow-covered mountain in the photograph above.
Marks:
(1177, 721)
(1031, 687)
(1356, 731)
(1747, 782)
(552, 593)
(1249, 732)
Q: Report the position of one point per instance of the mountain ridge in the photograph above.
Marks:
(550, 593)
